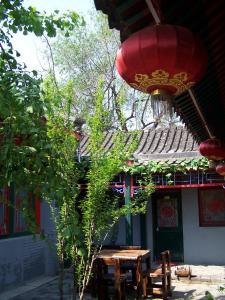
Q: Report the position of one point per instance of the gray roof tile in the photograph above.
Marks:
(171, 144)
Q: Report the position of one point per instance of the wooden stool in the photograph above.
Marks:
(163, 274)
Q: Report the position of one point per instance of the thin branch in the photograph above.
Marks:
(52, 62)
(143, 111)
(118, 109)
(150, 123)
(132, 112)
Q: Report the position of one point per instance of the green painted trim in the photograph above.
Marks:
(128, 217)
(143, 231)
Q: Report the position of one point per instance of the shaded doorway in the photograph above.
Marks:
(167, 224)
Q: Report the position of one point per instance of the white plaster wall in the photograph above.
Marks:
(24, 258)
(121, 237)
(51, 261)
(202, 245)
(136, 230)
(21, 259)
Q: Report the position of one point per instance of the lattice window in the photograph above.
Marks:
(212, 207)
(12, 204)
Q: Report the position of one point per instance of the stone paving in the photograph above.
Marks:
(211, 274)
(181, 291)
(205, 278)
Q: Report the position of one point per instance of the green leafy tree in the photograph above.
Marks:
(38, 148)
(60, 188)
(88, 54)
(83, 224)
(35, 154)
(22, 103)
(99, 212)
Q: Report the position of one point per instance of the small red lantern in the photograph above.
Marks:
(161, 59)
(220, 169)
(212, 149)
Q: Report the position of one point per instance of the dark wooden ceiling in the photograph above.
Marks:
(206, 18)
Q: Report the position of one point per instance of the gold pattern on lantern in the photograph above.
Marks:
(179, 81)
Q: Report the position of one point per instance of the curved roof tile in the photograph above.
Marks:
(174, 143)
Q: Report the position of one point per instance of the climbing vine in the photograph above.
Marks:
(167, 167)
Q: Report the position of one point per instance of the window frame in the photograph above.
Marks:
(6, 209)
(202, 208)
(35, 204)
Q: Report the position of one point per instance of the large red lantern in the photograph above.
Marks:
(212, 149)
(161, 59)
(220, 169)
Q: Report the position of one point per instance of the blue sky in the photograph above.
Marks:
(30, 46)
(80, 6)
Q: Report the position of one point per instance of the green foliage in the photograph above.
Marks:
(24, 140)
(145, 191)
(31, 149)
(22, 132)
(87, 55)
(222, 289)
(84, 223)
(99, 210)
(84, 57)
(167, 168)
(15, 17)
(209, 296)
(37, 147)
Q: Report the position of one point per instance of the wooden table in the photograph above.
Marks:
(108, 256)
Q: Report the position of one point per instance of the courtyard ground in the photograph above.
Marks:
(205, 279)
